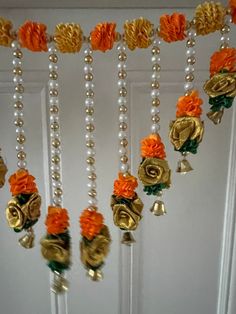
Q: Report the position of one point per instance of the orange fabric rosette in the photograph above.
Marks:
(125, 185)
(57, 220)
(189, 105)
(152, 146)
(91, 223)
(225, 59)
(33, 36)
(232, 4)
(103, 36)
(172, 27)
(21, 182)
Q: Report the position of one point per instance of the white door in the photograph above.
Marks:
(181, 263)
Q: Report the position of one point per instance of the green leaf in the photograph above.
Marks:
(189, 146)
(154, 189)
(220, 101)
(59, 267)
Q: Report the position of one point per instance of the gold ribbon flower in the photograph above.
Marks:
(154, 171)
(93, 253)
(55, 250)
(221, 84)
(15, 216)
(126, 216)
(6, 36)
(3, 171)
(185, 128)
(32, 208)
(68, 37)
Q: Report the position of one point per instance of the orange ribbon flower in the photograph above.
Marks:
(189, 105)
(57, 220)
(33, 36)
(125, 186)
(232, 4)
(21, 182)
(91, 223)
(153, 147)
(225, 59)
(172, 27)
(103, 36)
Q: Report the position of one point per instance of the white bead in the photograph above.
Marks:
(88, 68)
(53, 84)
(122, 151)
(155, 93)
(124, 168)
(55, 168)
(16, 62)
(225, 39)
(156, 42)
(89, 136)
(57, 184)
(53, 101)
(228, 19)
(20, 130)
(17, 79)
(93, 201)
(57, 200)
(22, 164)
(89, 119)
(188, 86)
(190, 52)
(123, 117)
(91, 152)
(121, 47)
(92, 185)
(122, 135)
(121, 83)
(156, 59)
(122, 101)
(15, 44)
(90, 168)
(155, 128)
(122, 66)
(191, 33)
(20, 148)
(89, 102)
(52, 66)
(155, 75)
(154, 111)
(54, 118)
(89, 85)
(88, 51)
(17, 96)
(52, 48)
(55, 134)
(18, 114)
(56, 151)
(189, 69)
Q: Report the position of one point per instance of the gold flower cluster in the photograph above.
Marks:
(221, 84)
(3, 171)
(68, 37)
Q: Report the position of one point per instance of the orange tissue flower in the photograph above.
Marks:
(57, 220)
(33, 36)
(172, 27)
(232, 4)
(225, 59)
(21, 182)
(103, 36)
(153, 147)
(91, 223)
(125, 186)
(189, 105)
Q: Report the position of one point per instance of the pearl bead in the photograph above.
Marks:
(57, 200)
(154, 111)
(90, 168)
(228, 19)
(121, 47)
(155, 76)
(124, 167)
(56, 168)
(17, 79)
(92, 185)
(57, 184)
(20, 147)
(52, 48)
(122, 151)
(88, 51)
(89, 102)
(53, 67)
(22, 164)
(89, 119)
(89, 85)
(155, 93)
(89, 136)
(190, 52)
(122, 101)
(17, 97)
(122, 135)
(56, 151)
(88, 68)
(191, 33)
(53, 84)
(188, 86)
(15, 44)
(91, 152)
(122, 66)
(121, 83)
(123, 117)
(93, 201)
(17, 62)
(20, 131)
(155, 59)
(54, 101)
(155, 128)
(189, 69)
(156, 42)
(18, 114)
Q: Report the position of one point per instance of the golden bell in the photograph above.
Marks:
(183, 166)
(128, 238)
(60, 285)
(27, 241)
(158, 208)
(215, 116)
(95, 275)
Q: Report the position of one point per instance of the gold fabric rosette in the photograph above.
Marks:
(32, 208)
(55, 250)
(15, 217)
(68, 37)
(185, 128)
(126, 214)
(6, 36)
(154, 171)
(94, 252)
(221, 84)
(3, 171)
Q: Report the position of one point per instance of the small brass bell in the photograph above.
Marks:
(183, 166)
(128, 238)
(60, 285)
(215, 116)
(27, 241)
(158, 208)
(95, 275)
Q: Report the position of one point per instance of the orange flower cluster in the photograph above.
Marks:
(189, 106)
(225, 59)
(125, 186)
(153, 147)
(232, 4)
(33, 36)
(57, 220)
(21, 182)
(91, 223)
(103, 36)
(172, 27)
